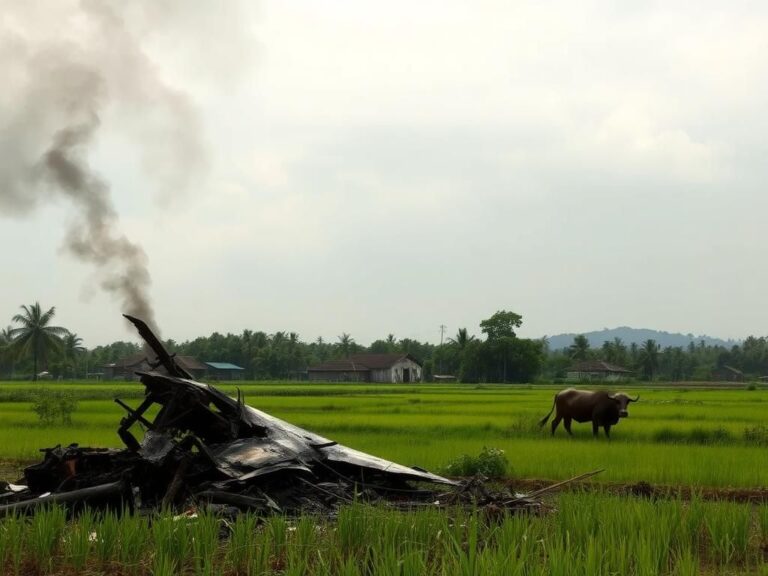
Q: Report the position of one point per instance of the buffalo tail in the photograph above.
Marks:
(544, 420)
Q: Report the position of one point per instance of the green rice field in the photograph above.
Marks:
(698, 438)
(679, 436)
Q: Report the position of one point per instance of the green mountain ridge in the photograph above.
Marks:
(637, 336)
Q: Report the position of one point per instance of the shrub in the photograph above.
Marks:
(692, 436)
(710, 436)
(756, 435)
(491, 462)
(523, 426)
(50, 405)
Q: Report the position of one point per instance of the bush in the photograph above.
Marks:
(50, 405)
(757, 435)
(696, 435)
(706, 436)
(523, 426)
(491, 463)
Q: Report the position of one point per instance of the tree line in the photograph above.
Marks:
(648, 361)
(32, 346)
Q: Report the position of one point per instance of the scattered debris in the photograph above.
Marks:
(203, 448)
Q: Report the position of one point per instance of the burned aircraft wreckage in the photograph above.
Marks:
(205, 448)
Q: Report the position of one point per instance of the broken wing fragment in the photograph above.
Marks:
(240, 439)
(245, 442)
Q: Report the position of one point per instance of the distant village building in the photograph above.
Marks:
(727, 374)
(597, 371)
(368, 368)
(224, 371)
(126, 368)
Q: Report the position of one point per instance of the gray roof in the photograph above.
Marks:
(224, 366)
(139, 361)
(597, 366)
(362, 363)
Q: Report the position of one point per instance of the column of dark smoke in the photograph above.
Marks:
(95, 236)
(60, 79)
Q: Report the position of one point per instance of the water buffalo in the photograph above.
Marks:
(601, 408)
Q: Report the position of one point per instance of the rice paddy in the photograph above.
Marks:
(687, 436)
(697, 438)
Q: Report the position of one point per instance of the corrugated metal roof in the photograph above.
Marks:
(139, 361)
(597, 366)
(134, 360)
(379, 361)
(190, 363)
(340, 366)
(363, 362)
(224, 366)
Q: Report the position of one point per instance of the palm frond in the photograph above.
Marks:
(21, 336)
(56, 330)
(24, 320)
(48, 316)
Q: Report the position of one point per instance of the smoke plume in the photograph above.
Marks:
(63, 73)
(93, 237)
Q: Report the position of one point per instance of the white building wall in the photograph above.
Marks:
(396, 372)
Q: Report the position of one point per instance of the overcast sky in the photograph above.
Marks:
(388, 167)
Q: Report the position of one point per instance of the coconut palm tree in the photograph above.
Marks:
(579, 350)
(649, 358)
(391, 343)
(322, 349)
(346, 342)
(35, 335)
(462, 338)
(7, 352)
(71, 349)
(615, 352)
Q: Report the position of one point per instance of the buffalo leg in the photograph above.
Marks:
(607, 428)
(555, 423)
(567, 424)
(595, 427)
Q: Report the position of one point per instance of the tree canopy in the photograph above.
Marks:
(36, 335)
(33, 344)
(501, 325)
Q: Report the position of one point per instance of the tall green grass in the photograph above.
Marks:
(588, 534)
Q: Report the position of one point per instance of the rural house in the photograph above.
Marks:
(597, 371)
(126, 368)
(224, 371)
(368, 368)
(727, 374)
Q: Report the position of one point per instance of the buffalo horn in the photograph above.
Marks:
(635, 399)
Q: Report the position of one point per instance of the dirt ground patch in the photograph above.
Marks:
(645, 490)
(10, 471)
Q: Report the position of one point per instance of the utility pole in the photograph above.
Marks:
(442, 333)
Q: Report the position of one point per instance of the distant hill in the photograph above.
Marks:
(637, 335)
